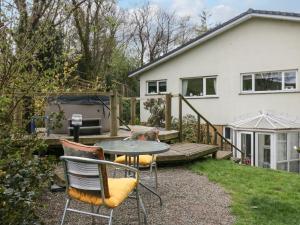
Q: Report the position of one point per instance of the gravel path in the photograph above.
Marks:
(188, 198)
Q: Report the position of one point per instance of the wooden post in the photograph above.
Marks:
(215, 137)
(198, 128)
(120, 108)
(222, 144)
(180, 118)
(114, 114)
(132, 110)
(207, 133)
(168, 112)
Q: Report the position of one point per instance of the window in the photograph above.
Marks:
(156, 86)
(247, 82)
(264, 150)
(269, 81)
(287, 157)
(202, 86)
(228, 133)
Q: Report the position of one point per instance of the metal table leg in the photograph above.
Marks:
(136, 159)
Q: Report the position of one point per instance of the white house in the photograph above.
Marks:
(246, 65)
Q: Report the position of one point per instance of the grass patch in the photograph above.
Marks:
(259, 196)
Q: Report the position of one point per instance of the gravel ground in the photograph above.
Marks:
(188, 198)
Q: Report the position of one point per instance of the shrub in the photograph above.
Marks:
(22, 177)
(156, 107)
(22, 174)
(189, 128)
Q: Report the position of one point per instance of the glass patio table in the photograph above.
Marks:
(133, 149)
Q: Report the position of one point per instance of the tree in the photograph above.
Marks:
(96, 23)
(204, 17)
(155, 31)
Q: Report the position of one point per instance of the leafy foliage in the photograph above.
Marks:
(189, 128)
(22, 174)
(156, 107)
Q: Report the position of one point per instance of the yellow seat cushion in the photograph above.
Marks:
(119, 189)
(144, 160)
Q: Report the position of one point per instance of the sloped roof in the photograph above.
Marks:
(215, 31)
(265, 120)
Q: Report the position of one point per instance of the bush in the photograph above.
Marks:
(189, 128)
(22, 174)
(156, 107)
(22, 177)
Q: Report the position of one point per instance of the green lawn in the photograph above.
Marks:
(259, 196)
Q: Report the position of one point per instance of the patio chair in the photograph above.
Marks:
(145, 161)
(85, 182)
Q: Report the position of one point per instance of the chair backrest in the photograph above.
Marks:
(84, 174)
(78, 170)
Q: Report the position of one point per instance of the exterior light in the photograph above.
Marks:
(76, 123)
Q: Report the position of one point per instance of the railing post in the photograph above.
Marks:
(215, 137)
(114, 111)
(180, 118)
(207, 133)
(222, 144)
(168, 112)
(198, 128)
(120, 107)
(242, 157)
(132, 110)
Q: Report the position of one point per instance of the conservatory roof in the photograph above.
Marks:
(267, 121)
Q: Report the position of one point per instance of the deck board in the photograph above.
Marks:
(181, 152)
(53, 139)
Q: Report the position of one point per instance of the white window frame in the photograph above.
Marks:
(288, 156)
(204, 86)
(270, 91)
(157, 87)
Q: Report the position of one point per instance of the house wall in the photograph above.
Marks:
(256, 45)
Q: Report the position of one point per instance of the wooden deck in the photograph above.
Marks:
(183, 152)
(53, 139)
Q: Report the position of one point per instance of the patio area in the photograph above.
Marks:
(188, 198)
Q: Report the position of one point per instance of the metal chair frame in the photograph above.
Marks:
(152, 164)
(81, 160)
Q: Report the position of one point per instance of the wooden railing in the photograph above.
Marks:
(208, 125)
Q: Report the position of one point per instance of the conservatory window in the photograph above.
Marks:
(156, 86)
(202, 86)
(264, 150)
(269, 81)
(287, 157)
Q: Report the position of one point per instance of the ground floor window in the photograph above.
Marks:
(156, 86)
(228, 133)
(199, 86)
(287, 157)
(269, 81)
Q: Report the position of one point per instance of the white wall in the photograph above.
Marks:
(254, 46)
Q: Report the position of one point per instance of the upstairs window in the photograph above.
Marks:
(202, 86)
(269, 81)
(156, 86)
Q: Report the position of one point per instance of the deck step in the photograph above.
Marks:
(224, 154)
(183, 152)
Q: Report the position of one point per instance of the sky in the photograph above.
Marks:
(220, 10)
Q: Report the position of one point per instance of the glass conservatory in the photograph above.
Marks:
(269, 140)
